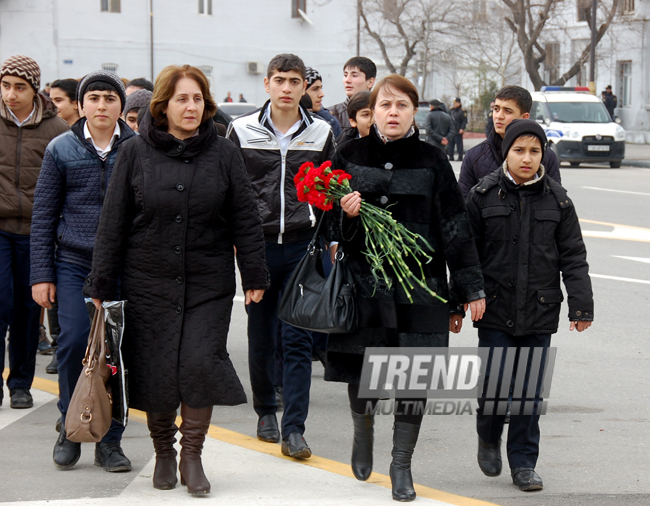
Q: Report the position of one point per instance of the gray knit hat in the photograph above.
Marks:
(24, 68)
(311, 76)
(137, 100)
(105, 77)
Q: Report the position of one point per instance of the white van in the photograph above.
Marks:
(578, 127)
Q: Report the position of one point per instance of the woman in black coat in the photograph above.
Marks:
(392, 167)
(178, 201)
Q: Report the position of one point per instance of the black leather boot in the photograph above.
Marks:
(193, 429)
(489, 457)
(405, 435)
(162, 428)
(362, 445)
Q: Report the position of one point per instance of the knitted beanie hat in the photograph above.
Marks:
(520, 127)
(311, 76)
(105, 77)
(137, 100)
(24, 68)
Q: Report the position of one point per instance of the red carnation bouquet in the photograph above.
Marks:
(386, 239)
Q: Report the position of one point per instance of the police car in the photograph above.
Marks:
(578, 127)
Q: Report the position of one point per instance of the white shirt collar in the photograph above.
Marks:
(17, 121)
(285, 138)
(103, 153)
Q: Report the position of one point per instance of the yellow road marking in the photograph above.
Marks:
(250, 443)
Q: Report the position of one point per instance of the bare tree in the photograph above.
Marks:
(529, 21)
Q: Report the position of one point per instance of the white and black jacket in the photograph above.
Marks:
(284, 218)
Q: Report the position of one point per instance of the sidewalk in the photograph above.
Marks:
(242, 470)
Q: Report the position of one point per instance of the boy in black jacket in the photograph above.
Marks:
(527, 232)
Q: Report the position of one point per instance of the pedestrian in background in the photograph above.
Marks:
(360, 116)
(392, 168)
(69, 196)
(440, 128)
(177, 206)
(610, 101)
(63, 93)
(28, 122)
(315, 92)
(489, 121)
(359, 74)
(136, 101)
(242, 100)
(459, 118)
(139, 83)
(228, 98)
(527, 232)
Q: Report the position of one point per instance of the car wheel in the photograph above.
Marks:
(575, 164)
(615, 165)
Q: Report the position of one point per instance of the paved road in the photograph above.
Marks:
(594, 448)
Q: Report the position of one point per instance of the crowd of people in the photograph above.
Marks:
(147, 193)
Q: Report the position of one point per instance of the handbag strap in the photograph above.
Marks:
(315, 240)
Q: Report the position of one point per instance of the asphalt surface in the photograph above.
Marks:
(595, 438)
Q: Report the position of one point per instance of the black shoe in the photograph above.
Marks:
(267, 429)
(53, 366)
(405, 436)
(526, 479)
(21, 398)
(59, 424)
(111, 457)
(362, 445)
(489, 457)
(295, 446)
(279, 398)
(66, 452)
(44, 345)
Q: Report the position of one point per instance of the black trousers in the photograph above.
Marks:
(523, 431)
(456, 140)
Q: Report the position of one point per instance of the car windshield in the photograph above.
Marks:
(237, 109)
(579, 112)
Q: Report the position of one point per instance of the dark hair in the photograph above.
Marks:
(306, 102)
(398, 82)
(166, 86)
(69, 87)
(286, 62)
(520, 96)
(141, 82)
(365, 65)
(360, 100)
(101, 86)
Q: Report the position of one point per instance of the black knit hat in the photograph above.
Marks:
(311, 76)
(520, 127)
(105, 77)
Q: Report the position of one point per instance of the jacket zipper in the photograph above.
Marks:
(282, 179)
(102, 186)
(18, 155)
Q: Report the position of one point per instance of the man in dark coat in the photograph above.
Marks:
(511, 102)
(28, 122)
(359, 74)
(610, 100)
(459, 118)
(275, 141)
(69, 197)
(439, 126)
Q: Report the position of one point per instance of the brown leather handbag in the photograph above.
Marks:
(90, 411)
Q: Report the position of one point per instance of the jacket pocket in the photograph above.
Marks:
(549, 301)
(544, 225)
(496, 222)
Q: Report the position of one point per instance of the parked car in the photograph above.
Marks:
(236, 109)
(578, 126)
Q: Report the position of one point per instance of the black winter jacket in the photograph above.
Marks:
(459, 118)
(526, 235)
(485, 158)
(69, 197)
(173, 212)
(284, 218)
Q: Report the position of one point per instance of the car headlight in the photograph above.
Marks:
(619, 135)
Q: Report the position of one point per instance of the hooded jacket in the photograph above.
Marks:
(284, 218)
(21, 155)
(68, 200)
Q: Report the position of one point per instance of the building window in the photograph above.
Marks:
(625, 83)
(298, 5)
(552, 62)
(110, 5)
(205, 7)
(110, 67)
(584, 10)
(207, 70)
(480, 10)
(627, 7)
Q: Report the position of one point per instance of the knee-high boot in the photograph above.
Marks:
(193, 429)
(405, 436)
(362, 445)
(162, 428)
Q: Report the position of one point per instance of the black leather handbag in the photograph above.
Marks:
(313, 302)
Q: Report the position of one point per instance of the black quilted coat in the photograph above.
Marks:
(173, 212)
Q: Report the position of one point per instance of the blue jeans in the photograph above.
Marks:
(523, 430)
(18, 311)
(73, 339)
(296, 343)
